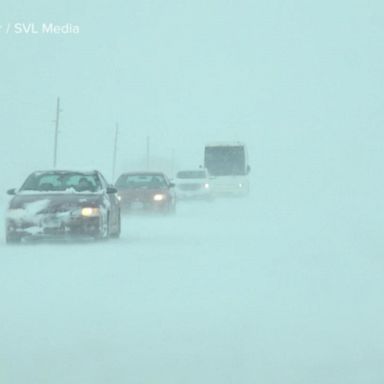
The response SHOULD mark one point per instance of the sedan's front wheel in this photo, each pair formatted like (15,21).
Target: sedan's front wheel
(12,238)
(116,234)
(103,228)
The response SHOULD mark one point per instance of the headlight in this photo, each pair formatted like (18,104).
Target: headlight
(240,185)
(90,212)
(118,197)
(159,197)
(206,185)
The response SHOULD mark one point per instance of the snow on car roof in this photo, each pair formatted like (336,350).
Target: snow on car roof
(58,171)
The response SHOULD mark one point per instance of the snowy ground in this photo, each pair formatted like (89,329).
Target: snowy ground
(235,291)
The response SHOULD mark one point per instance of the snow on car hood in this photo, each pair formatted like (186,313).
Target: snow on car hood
(28,210)
(54,200)
(34,209)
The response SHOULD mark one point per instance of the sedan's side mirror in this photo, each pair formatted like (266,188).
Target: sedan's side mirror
(171,185)
(11,191)
(248,169)
(111,190)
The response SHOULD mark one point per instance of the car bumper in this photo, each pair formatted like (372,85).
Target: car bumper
(145,206)
(198,195)
(53,226)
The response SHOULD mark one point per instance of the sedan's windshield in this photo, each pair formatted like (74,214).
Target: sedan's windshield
(141,181)
(61,181)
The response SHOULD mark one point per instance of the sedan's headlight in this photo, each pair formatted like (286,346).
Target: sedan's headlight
(159,197)
(90,212)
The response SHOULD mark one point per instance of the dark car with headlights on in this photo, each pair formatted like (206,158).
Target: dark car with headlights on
(63,203)
(146,192)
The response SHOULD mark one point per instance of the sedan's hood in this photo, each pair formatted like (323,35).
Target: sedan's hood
(142,194)
(55,201)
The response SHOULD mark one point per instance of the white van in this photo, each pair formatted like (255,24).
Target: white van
(227,164)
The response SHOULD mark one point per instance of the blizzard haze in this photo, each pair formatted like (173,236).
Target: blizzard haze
(282,286)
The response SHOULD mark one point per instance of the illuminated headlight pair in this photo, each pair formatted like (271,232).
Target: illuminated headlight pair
(90,212)
(159,197)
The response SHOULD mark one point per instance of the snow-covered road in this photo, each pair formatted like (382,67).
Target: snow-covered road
(230,292)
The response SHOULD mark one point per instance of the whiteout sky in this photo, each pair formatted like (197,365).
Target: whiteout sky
(299,82)
(289,280)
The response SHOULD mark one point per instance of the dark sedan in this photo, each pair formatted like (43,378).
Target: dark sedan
(146,191)
(63,203)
